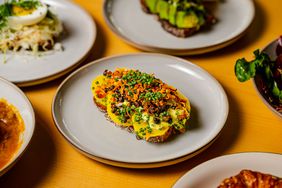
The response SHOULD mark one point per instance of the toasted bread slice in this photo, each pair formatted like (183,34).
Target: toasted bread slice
(141,103)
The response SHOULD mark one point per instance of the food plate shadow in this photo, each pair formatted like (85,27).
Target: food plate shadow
(224,142)
(36,162)
(253,33)
(98,49)
(194,122)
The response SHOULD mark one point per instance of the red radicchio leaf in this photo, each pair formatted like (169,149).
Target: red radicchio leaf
(279,46)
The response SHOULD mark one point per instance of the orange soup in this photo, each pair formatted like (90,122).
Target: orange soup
(11,128)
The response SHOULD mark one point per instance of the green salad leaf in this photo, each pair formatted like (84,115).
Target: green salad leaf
(262,63)
(246,70)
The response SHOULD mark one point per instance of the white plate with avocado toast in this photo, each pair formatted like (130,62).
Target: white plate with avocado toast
(81,122)
(131,21)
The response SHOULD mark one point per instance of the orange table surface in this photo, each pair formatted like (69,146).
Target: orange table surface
(50,160)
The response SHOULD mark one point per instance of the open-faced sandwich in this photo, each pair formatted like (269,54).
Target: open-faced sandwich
(181,18)
(141,103)
(251,179)
(28,26)
(269,72)
(11,128)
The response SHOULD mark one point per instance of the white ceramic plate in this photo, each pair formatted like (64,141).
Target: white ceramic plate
(81,33)
(84,126)
(211,173)
(270,49)
(127,20)
(17,98)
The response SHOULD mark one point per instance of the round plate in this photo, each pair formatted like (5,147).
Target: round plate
(25,70)
(17,98)
(127,20)
(270,49)
(213,172)
(150,165)
(82,124)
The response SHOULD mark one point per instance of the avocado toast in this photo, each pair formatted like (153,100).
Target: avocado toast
(181,18)
(141,103)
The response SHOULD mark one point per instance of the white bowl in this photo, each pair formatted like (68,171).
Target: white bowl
(270,49)
(17,98)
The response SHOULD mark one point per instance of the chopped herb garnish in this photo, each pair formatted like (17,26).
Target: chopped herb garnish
(153,96)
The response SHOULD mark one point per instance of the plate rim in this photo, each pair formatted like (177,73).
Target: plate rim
(18,155)
(182,177)
(222,91)
(175,51)
(148,165)
(61,72)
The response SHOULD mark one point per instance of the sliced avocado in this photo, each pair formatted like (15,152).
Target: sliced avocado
(187,20)
(191,20)
(172,14)
(163,9)
(151,4)
(179,18)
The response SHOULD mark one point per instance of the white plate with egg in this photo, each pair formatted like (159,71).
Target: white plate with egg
(79,33)
(15,97)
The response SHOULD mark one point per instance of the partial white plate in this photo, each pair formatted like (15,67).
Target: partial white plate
(17,98)
(85,127)
(270,49)
(27,70)
(213,172)
(127,20)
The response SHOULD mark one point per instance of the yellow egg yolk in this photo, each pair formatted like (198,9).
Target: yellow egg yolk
(20,11)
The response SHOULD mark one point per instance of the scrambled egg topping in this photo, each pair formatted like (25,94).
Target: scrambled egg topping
(141,101)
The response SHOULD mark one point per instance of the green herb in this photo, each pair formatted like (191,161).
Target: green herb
(26,4)
(134,77)
(138,117)
(153,96)
(149,129)
(165,113)
(130,93)
(245,70)
(5,11)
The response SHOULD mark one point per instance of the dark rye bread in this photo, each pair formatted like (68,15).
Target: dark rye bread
(178,32)
(156,139)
